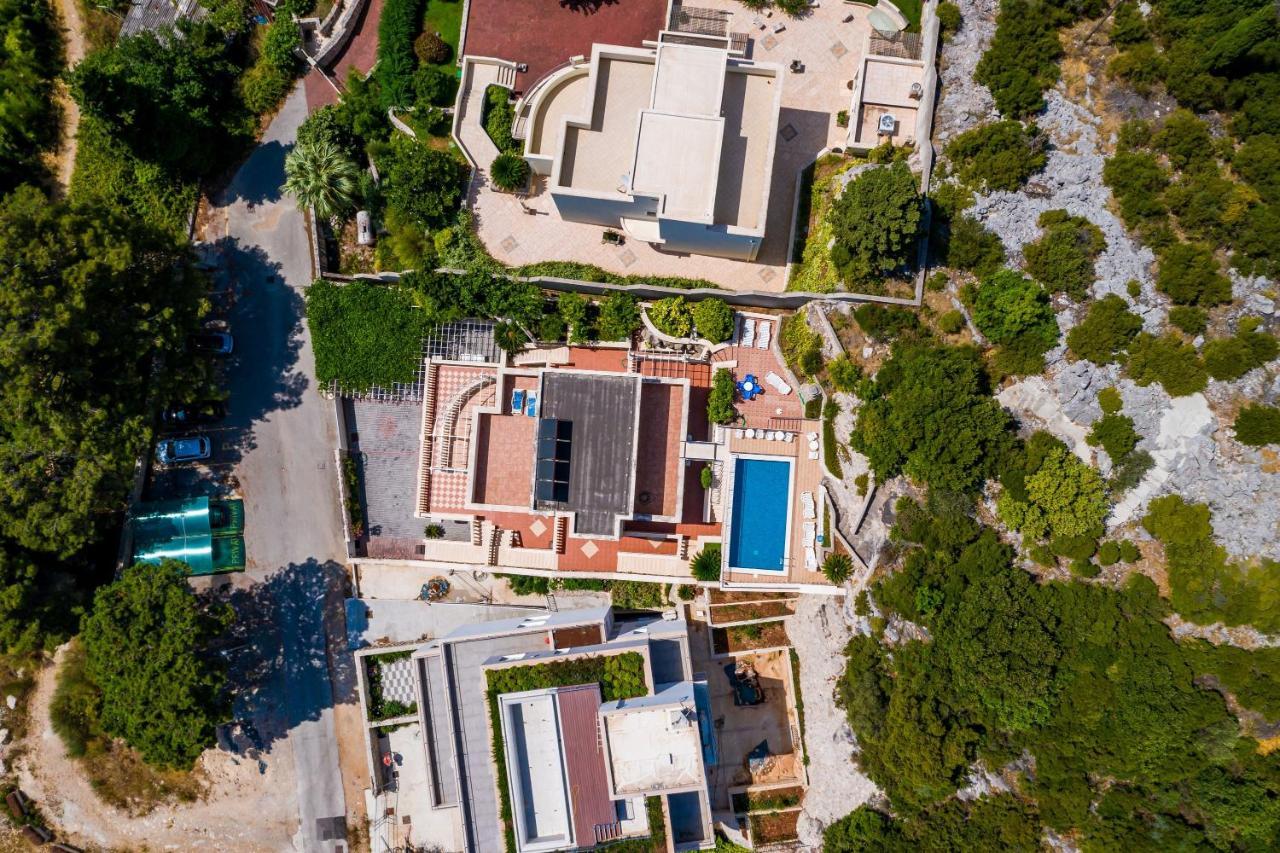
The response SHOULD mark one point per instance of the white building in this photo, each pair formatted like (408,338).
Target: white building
(671,144)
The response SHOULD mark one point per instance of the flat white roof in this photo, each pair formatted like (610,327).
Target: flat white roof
(689,80)
(678,157)
(536,770)
(654,748)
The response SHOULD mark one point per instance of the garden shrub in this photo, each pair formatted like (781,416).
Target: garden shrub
(1062,259)
(1189,276)
(1189,319)
(720,408)
(969,245)
(1007,306)
(1108,553)
(638,595)
(499,116)
(876,223)
(1169,361)
(1074,547)
(573,309)
(1257,425)
(431,49)
(801,346)
(830,446)
(552,327)
(329,125)
(706,476)
(263,87)
(1085,569)
(672,316)
(706,565)
(862,482)
(422,182)
(509,171)
(527,584)
(433,86)
(713,319)
(619,316)
(950,322)
(1001,155)
(1129,552)
(1105,332)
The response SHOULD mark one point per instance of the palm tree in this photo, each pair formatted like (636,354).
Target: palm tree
(323,178)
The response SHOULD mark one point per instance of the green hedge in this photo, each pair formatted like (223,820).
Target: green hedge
(399,25)
(364,334)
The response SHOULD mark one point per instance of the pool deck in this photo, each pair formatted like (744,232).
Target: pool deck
(807,478)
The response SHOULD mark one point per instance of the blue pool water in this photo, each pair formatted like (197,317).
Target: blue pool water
(758,535)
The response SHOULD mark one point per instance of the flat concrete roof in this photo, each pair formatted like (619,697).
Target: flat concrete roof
(653,744)
(536,770)
(689,80)
(677,157)
(604,411)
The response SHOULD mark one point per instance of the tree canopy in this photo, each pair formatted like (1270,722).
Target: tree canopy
(145,644)
(876,222)
(931,417)
(30,58)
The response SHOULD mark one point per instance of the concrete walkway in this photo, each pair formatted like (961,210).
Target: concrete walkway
(472,137)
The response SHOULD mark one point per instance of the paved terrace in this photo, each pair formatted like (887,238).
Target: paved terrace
(831,51)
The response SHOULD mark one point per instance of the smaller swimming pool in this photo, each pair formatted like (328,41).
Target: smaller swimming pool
(761,496)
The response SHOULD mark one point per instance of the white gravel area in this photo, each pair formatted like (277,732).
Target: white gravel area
(819,631)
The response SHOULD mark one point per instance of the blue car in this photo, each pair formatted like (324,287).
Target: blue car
(193,448)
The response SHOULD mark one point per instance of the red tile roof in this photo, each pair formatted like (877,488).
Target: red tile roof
(594,814)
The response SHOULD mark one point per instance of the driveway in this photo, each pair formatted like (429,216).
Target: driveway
(276,450)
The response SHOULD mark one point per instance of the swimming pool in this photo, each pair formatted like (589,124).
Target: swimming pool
(761,496)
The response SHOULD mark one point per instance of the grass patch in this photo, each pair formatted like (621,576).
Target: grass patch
(830,447)
(799,697)
(589,272)
(815,272)
(116,773)
(101,28)
(445,17)
(911,10)
(639,595)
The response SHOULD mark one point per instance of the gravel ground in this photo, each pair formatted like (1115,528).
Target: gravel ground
(819,631)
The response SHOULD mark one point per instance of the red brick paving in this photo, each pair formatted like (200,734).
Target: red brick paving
(545,33)
(592,358)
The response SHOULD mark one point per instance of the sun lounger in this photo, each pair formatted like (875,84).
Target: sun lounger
(789,437)
(806,503)
(766,331)
(517,401)
(531,406)
(813,454)
(748,332)
(775,381)
(810,534)
(810,559)
(813,436)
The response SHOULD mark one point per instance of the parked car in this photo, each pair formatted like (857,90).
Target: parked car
(207,412)
(192,448)
(212,343)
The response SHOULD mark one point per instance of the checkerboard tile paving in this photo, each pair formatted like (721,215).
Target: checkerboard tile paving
(397,681)
(448,490)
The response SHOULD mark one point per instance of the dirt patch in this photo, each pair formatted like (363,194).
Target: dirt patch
(773,827)
(745,638)
(716,596)
(725,613)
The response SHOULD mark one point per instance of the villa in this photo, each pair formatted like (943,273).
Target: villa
(584,728)
(600,462)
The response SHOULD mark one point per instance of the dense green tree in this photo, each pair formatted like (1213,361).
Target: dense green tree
(329,125)
(1064,497)
(1168,360)
(672,316)
(573,310)
(1008,306)
(844,374)
(1189,276)
(876,223)
(968,245)
(87,300)
(1062,259)
(1105,332)
(145,643)
(172,101)
(713,319)
(997,156)
(1114,434)
(1184,139)
(932,417)
(30,58)
(1138,181)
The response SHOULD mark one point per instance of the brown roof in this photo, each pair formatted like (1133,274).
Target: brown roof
(594,814)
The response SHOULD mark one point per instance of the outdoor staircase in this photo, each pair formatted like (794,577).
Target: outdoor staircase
(561,534)
(495,540)
(682,550)
(477,531)
(428,419)
(507,75)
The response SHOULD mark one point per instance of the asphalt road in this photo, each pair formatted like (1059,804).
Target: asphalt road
(276,450)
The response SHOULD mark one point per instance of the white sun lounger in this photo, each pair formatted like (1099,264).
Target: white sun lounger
(766,332)
(776,382)
(810,533)
(789,437)
(810,559)
(813,454)
(748,332)
(806,504)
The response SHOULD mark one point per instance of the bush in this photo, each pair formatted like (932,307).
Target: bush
(1257,425)
(844,374)
(499,116)
(552,327)
(706,566)
(329,125)
(713,319)
(1189,276)
(885,322)
(1001,155)
(1129,552)
(509,172)
(1109,400)
(1008,306)
(720,401)
(263,87)
(838,568)
(949,19)
(422,182)
(1185,140)
(1227,359)
(706,476)
(1169,361)
(1114,434)
(1042,555)
(431,49)
(950,322)
(1108,553)
(433,86)
(1022,61)
(1064,497)
(1084,568)
(619,316)
(801,346)
(876,223)
(1074,547)
(672,316)
(1105,332)
(968,245)
(1189,319)
(1138,182)
(862,482)
(1062,259)
(1130,471)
